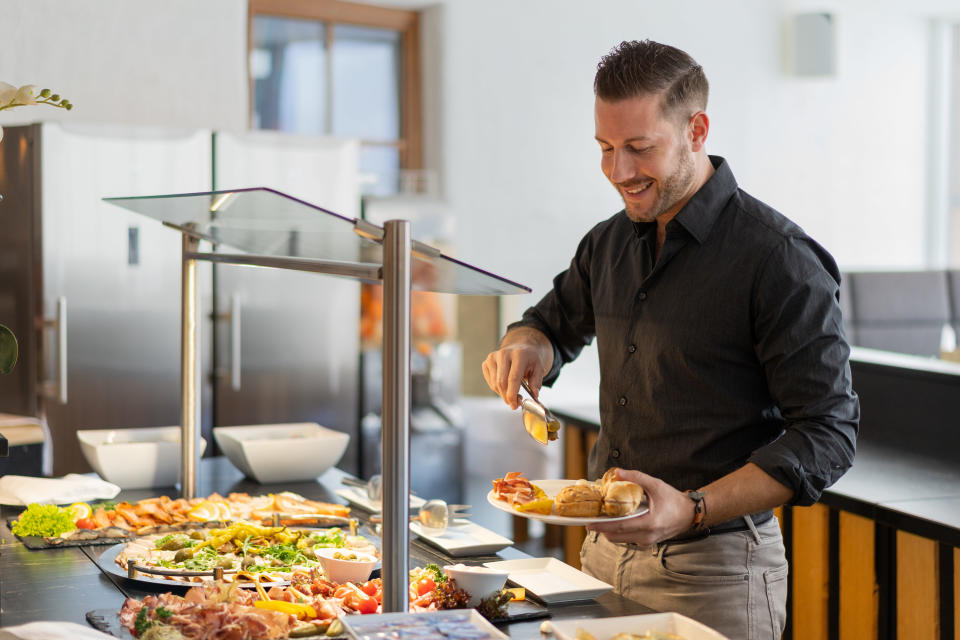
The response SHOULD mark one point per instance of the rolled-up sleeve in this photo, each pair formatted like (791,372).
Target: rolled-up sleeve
(565,314)
(800,343)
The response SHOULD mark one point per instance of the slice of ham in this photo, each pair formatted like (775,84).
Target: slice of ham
(514,488)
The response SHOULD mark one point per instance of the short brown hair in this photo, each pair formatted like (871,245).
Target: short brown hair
(642,67)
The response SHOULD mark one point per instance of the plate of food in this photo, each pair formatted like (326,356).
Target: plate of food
(43,526)
(243,551)
(568,502)
(314,605)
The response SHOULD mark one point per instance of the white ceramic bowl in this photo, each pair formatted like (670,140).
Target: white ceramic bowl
(479,582)
(135,458)
(341,571)
(269,453)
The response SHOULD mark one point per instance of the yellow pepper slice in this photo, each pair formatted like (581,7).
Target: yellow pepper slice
(302,611)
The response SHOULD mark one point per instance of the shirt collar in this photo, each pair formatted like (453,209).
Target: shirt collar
(702,210)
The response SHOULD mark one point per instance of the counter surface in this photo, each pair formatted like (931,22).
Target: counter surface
(64,584)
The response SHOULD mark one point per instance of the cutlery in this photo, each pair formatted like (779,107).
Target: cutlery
(435,516)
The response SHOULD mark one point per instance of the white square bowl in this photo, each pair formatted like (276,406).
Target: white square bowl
(135,458)
(270,453)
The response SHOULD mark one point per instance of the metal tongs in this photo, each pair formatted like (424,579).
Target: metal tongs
(539,422)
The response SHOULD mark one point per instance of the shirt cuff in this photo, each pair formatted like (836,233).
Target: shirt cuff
(780,461)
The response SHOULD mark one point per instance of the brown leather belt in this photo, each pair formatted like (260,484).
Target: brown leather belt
(730,526)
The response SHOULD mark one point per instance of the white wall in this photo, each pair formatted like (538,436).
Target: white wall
(508,107)
(178,63)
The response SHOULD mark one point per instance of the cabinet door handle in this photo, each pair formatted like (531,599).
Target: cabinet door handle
(58,387)
(235,343)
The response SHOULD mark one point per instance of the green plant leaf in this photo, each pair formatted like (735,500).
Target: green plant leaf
(8,349)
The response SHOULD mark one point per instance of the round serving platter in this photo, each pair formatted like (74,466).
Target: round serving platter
(552,487)
(107,562)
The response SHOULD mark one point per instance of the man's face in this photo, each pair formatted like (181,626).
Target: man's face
(645,155)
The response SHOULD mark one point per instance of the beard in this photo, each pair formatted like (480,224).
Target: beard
(669,192)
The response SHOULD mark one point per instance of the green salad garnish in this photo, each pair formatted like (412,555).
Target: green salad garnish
(329,538)
(46,520)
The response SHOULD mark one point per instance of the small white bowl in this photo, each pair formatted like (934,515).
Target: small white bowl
(479,582)
(135,458)
(270,453)
(341,571)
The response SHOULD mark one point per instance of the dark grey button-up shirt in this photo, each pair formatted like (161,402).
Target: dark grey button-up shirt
(729,349)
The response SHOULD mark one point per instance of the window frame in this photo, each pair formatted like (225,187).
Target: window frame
(333,12)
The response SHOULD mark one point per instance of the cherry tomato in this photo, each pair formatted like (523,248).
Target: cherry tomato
(367,605)
(425,585)
(370,588)
(86,523)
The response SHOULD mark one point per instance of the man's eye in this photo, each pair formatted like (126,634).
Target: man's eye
(640,149)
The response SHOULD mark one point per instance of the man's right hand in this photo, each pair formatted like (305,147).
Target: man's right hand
(524,353)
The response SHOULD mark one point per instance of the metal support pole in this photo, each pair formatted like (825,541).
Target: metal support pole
(396,415)
(189,370)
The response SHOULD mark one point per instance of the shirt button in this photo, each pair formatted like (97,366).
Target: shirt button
(622,401)
(632,348)
(615,453)
(642,295)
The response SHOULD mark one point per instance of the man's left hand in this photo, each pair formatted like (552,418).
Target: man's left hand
(671,513)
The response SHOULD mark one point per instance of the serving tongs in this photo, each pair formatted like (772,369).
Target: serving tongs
(539,422)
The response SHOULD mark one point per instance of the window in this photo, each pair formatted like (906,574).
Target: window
(336,68)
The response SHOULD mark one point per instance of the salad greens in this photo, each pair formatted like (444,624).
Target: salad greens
(329,538)
(46,520)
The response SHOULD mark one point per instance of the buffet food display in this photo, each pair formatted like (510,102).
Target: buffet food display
(259,567)
(104,522)
(310,605)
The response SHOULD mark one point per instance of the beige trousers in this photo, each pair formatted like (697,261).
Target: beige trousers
(733,582)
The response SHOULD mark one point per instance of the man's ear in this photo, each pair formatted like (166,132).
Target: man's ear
(698,126)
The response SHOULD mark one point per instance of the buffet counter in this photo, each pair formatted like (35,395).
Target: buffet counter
(64,584)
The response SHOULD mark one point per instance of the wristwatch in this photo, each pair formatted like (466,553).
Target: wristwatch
(699,509)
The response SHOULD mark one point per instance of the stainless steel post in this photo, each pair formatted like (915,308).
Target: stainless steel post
(396,415)
(189,370)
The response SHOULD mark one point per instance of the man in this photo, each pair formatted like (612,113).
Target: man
(724,367)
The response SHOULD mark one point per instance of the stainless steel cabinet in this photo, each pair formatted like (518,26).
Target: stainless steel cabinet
(114,278)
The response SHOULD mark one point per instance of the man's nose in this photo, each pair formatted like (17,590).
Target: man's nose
(622,169)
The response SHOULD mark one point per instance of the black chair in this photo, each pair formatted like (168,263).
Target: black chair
(902,311)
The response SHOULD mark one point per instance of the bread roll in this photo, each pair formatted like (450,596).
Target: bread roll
(608,477)
(621,498)
(579,501)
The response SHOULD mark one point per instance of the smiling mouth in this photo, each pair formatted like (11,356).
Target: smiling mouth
(637,189)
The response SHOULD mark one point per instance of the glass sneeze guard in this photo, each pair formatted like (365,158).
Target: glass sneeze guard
(272,229)
(265,222)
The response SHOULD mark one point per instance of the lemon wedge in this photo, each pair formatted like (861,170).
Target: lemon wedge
(205,512)
(80,510)
(540,505)
(223,511)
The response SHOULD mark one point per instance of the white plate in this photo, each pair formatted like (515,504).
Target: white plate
(551,580)
(429,623)
(464,539)
(552,487)
(602,628)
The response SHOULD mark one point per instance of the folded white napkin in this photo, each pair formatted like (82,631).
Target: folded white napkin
(73,487)
(52,631)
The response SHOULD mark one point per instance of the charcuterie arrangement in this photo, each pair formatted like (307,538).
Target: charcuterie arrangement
(310,605)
